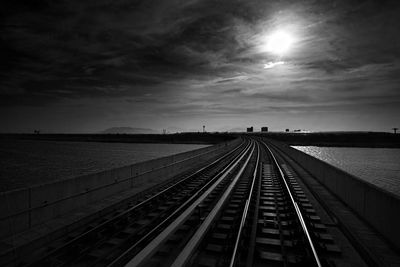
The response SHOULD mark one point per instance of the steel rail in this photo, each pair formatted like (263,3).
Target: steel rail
(246,209)
(296,207)
(150,248)
(126,212)
(198,236)
(371,260)
(253,233)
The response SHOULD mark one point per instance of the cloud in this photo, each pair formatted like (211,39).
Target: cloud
(270,65)
(199,57)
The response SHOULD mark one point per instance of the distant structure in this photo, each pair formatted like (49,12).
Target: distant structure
(164,131)
(250,129)
(264,129)
(395,130)
(204,128)
(287,130)
(36,131)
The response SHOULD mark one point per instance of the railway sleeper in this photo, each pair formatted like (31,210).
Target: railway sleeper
(324,241)
(279,258)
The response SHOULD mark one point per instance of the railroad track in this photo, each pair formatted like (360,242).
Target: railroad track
(246,208)
(263,218)
(102,241)
(181,234)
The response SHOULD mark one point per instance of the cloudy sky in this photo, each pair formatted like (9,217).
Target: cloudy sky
(83,66)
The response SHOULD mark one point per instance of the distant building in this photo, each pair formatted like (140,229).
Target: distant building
(264,129)
(287,130)
(250,129)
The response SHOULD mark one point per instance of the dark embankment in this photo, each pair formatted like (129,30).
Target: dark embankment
(339,139)
(182,138)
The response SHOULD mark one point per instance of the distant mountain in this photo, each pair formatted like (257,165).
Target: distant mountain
(237,129)
(175,130)
(182,130)
(128,130)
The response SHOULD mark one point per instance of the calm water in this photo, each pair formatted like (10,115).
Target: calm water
(379,166)
(25,163)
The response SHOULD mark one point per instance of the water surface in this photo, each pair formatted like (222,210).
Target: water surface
(379,166)
(26,162)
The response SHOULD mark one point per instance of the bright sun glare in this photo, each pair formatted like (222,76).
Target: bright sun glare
(279,43)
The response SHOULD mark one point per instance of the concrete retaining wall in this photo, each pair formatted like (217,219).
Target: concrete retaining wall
(24,208)
(381,209)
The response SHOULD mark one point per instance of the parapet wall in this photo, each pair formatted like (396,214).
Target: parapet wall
(23,208)
(381,209)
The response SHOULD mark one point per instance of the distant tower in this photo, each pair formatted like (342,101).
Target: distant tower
(395,130)
(204,128)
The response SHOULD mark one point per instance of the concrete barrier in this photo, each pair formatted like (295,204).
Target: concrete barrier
(21,209)
(381,209)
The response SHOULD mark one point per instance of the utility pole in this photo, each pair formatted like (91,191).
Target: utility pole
(395,130)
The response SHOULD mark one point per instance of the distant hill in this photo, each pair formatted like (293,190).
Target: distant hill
(237,129)
(128,130)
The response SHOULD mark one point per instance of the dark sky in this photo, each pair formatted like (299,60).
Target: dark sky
(83,66)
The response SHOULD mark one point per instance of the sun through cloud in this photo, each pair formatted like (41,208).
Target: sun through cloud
(165,64)
(279,42)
